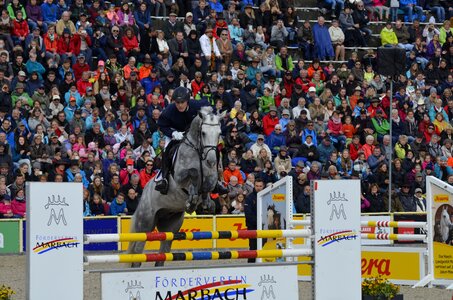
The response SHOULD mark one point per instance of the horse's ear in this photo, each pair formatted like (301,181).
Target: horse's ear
(200,114)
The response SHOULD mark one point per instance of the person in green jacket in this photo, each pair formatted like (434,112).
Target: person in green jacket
(20,94)
(266,101)
(284,61)
(381,125)
(15,6)
(444,30)
(388,36)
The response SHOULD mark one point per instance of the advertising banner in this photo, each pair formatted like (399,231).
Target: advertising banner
(54,241)
(441,222)
(100,226)
(231,223)
(252,282)
(336,225)
(400,265)
(273,212)
(376,230)
(190,224)
(9,236)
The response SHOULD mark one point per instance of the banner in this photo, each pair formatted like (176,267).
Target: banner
(100,226)
(252,282)
(274,204)
(190,224)
(441,222)
(336,228)
(54,241)
(400,265)
(231,223)
(10,236)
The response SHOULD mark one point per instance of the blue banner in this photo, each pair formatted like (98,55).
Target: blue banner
(99,226)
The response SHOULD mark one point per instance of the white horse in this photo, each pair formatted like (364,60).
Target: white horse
(445,225)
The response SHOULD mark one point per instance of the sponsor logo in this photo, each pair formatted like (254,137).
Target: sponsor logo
(381,266)
(59,244)
(336,199)
(336,237)
(230,289)
(56,201)
(267,288)
(441,198)
(278,197)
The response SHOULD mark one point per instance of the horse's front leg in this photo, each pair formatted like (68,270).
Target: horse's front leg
(192,201)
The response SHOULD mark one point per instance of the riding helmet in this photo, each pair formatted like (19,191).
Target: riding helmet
(181,94)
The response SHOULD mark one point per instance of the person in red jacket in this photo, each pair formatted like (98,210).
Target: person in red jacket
(335,130)
(20,29)
(232,170)
(147,173)
(126,173)
(84,83)
(130,43)
(80,67)
(197,84)
(6,210)
(18,205)
(270,120)
(66,46)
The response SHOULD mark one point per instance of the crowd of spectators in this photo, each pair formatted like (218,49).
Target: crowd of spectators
(83,84)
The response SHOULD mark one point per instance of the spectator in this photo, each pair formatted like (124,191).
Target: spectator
(322,41)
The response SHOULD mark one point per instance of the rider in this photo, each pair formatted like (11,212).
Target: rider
(173,122)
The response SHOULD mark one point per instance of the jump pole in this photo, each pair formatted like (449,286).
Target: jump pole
(391,224)
(189,236)
(191,256)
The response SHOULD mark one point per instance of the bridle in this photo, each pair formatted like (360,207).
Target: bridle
(201,149)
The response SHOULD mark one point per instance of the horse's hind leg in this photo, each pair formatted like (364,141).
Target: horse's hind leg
(169,224)
(139,226)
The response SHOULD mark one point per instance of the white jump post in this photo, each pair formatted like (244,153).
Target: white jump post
(54,241)
(336,226)
(439,206)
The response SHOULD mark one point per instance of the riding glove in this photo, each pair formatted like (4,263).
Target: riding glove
(177,135)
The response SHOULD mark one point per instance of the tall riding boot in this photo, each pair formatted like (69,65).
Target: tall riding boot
(163,184)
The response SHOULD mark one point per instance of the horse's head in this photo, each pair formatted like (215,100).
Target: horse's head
(445,217)
(208,133)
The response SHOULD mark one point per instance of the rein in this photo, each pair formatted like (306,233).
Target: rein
(200,150)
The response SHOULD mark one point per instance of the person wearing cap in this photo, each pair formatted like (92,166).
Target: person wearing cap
(151,82)
(115,47)
(270,120)
(189,24)
(380,124)
(210,49)
(20,93)
(173,123)
(171,26)
(145,69)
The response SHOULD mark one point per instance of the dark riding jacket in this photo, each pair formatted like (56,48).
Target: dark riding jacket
(172,120)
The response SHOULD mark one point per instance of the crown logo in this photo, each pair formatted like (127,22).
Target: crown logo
(52,201)
(266,279)
(133,285)
(336,197)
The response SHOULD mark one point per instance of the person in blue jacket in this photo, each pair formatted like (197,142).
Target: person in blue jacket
(118,206)
(250,212)
(323,43)
(173,122)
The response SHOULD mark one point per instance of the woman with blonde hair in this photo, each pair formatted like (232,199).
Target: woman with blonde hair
(326,95)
